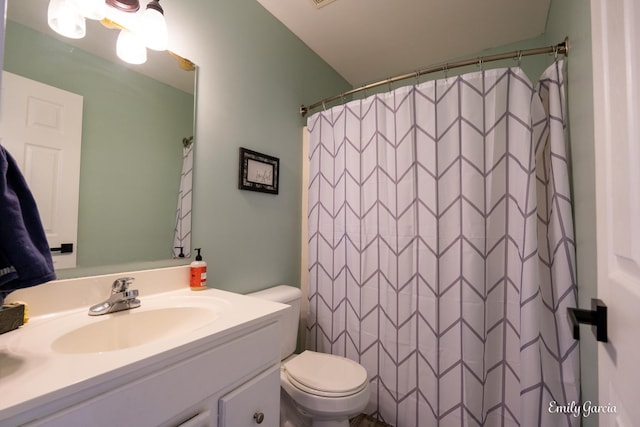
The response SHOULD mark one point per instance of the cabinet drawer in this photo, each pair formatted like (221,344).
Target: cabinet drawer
(254,403)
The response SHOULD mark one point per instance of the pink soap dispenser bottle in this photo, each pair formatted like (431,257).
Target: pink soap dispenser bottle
(198,280)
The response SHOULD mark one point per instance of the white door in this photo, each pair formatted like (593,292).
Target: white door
(41,126)
(616,74)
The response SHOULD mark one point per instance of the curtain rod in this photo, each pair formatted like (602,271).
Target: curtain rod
(561,48)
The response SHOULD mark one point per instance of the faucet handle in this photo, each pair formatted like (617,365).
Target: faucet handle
(121,284)
(130,294)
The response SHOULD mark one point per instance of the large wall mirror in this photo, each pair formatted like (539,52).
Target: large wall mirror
(135,119)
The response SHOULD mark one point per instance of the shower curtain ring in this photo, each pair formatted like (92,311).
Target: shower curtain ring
(519,58)
(324,107)
(481,64)
(445,69)
(555,52)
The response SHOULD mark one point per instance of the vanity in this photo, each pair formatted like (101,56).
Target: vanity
(183,358)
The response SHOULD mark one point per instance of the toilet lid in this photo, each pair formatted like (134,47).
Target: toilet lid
(326,374)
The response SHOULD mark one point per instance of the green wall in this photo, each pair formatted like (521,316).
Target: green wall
(254,74)
(131,148)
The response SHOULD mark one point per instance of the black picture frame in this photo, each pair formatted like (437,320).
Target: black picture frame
(258,172)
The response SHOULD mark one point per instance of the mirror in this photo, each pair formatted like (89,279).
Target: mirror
(135,119)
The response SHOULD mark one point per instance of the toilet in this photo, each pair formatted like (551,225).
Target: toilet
(317,389)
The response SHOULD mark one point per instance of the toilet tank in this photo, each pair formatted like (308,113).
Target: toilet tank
(288,318)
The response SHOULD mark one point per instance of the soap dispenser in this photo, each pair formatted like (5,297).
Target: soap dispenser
(198,280)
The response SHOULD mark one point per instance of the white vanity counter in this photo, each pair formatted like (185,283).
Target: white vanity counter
(63,358)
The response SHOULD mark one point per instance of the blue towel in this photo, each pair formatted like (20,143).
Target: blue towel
(25,257)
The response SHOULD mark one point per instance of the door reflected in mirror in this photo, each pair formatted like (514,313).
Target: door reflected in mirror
(133,127)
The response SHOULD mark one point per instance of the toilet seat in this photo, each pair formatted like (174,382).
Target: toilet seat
(325,375)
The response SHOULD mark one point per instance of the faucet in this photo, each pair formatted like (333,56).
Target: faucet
(122,298)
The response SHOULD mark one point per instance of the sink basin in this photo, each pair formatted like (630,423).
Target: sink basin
(158,318)
(132,328)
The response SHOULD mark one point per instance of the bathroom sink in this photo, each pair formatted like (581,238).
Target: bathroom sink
(132,328)
(157,319)
(65,363)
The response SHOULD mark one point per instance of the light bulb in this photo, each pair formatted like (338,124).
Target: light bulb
(154,27)
(65,19)
(130,48)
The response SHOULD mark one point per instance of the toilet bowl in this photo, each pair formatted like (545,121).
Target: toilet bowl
(319,390)
(324,385)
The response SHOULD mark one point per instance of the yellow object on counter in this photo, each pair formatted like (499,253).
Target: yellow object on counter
(11,316)
(26,310)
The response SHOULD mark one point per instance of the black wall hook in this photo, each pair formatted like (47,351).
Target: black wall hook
(597,317)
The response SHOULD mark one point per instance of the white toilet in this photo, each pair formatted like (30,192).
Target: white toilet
(318,390)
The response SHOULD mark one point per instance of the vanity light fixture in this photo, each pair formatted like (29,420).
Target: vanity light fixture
(145,30)
(125,5)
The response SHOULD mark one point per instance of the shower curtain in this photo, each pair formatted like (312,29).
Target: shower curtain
(182,226)
(441,249)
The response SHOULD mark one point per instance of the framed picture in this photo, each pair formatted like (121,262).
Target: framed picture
(258,172)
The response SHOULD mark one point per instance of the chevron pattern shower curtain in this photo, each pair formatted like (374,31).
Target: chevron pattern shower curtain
(182,228)
(441,249)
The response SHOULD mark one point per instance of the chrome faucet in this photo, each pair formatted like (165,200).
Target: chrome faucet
(122,298)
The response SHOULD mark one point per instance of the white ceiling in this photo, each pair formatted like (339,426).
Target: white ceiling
(370,40)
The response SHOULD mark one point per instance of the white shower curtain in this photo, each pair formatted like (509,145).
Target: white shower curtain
(441,250)
(182,227)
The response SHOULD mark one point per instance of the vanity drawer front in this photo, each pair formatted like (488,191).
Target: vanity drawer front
(254,403)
